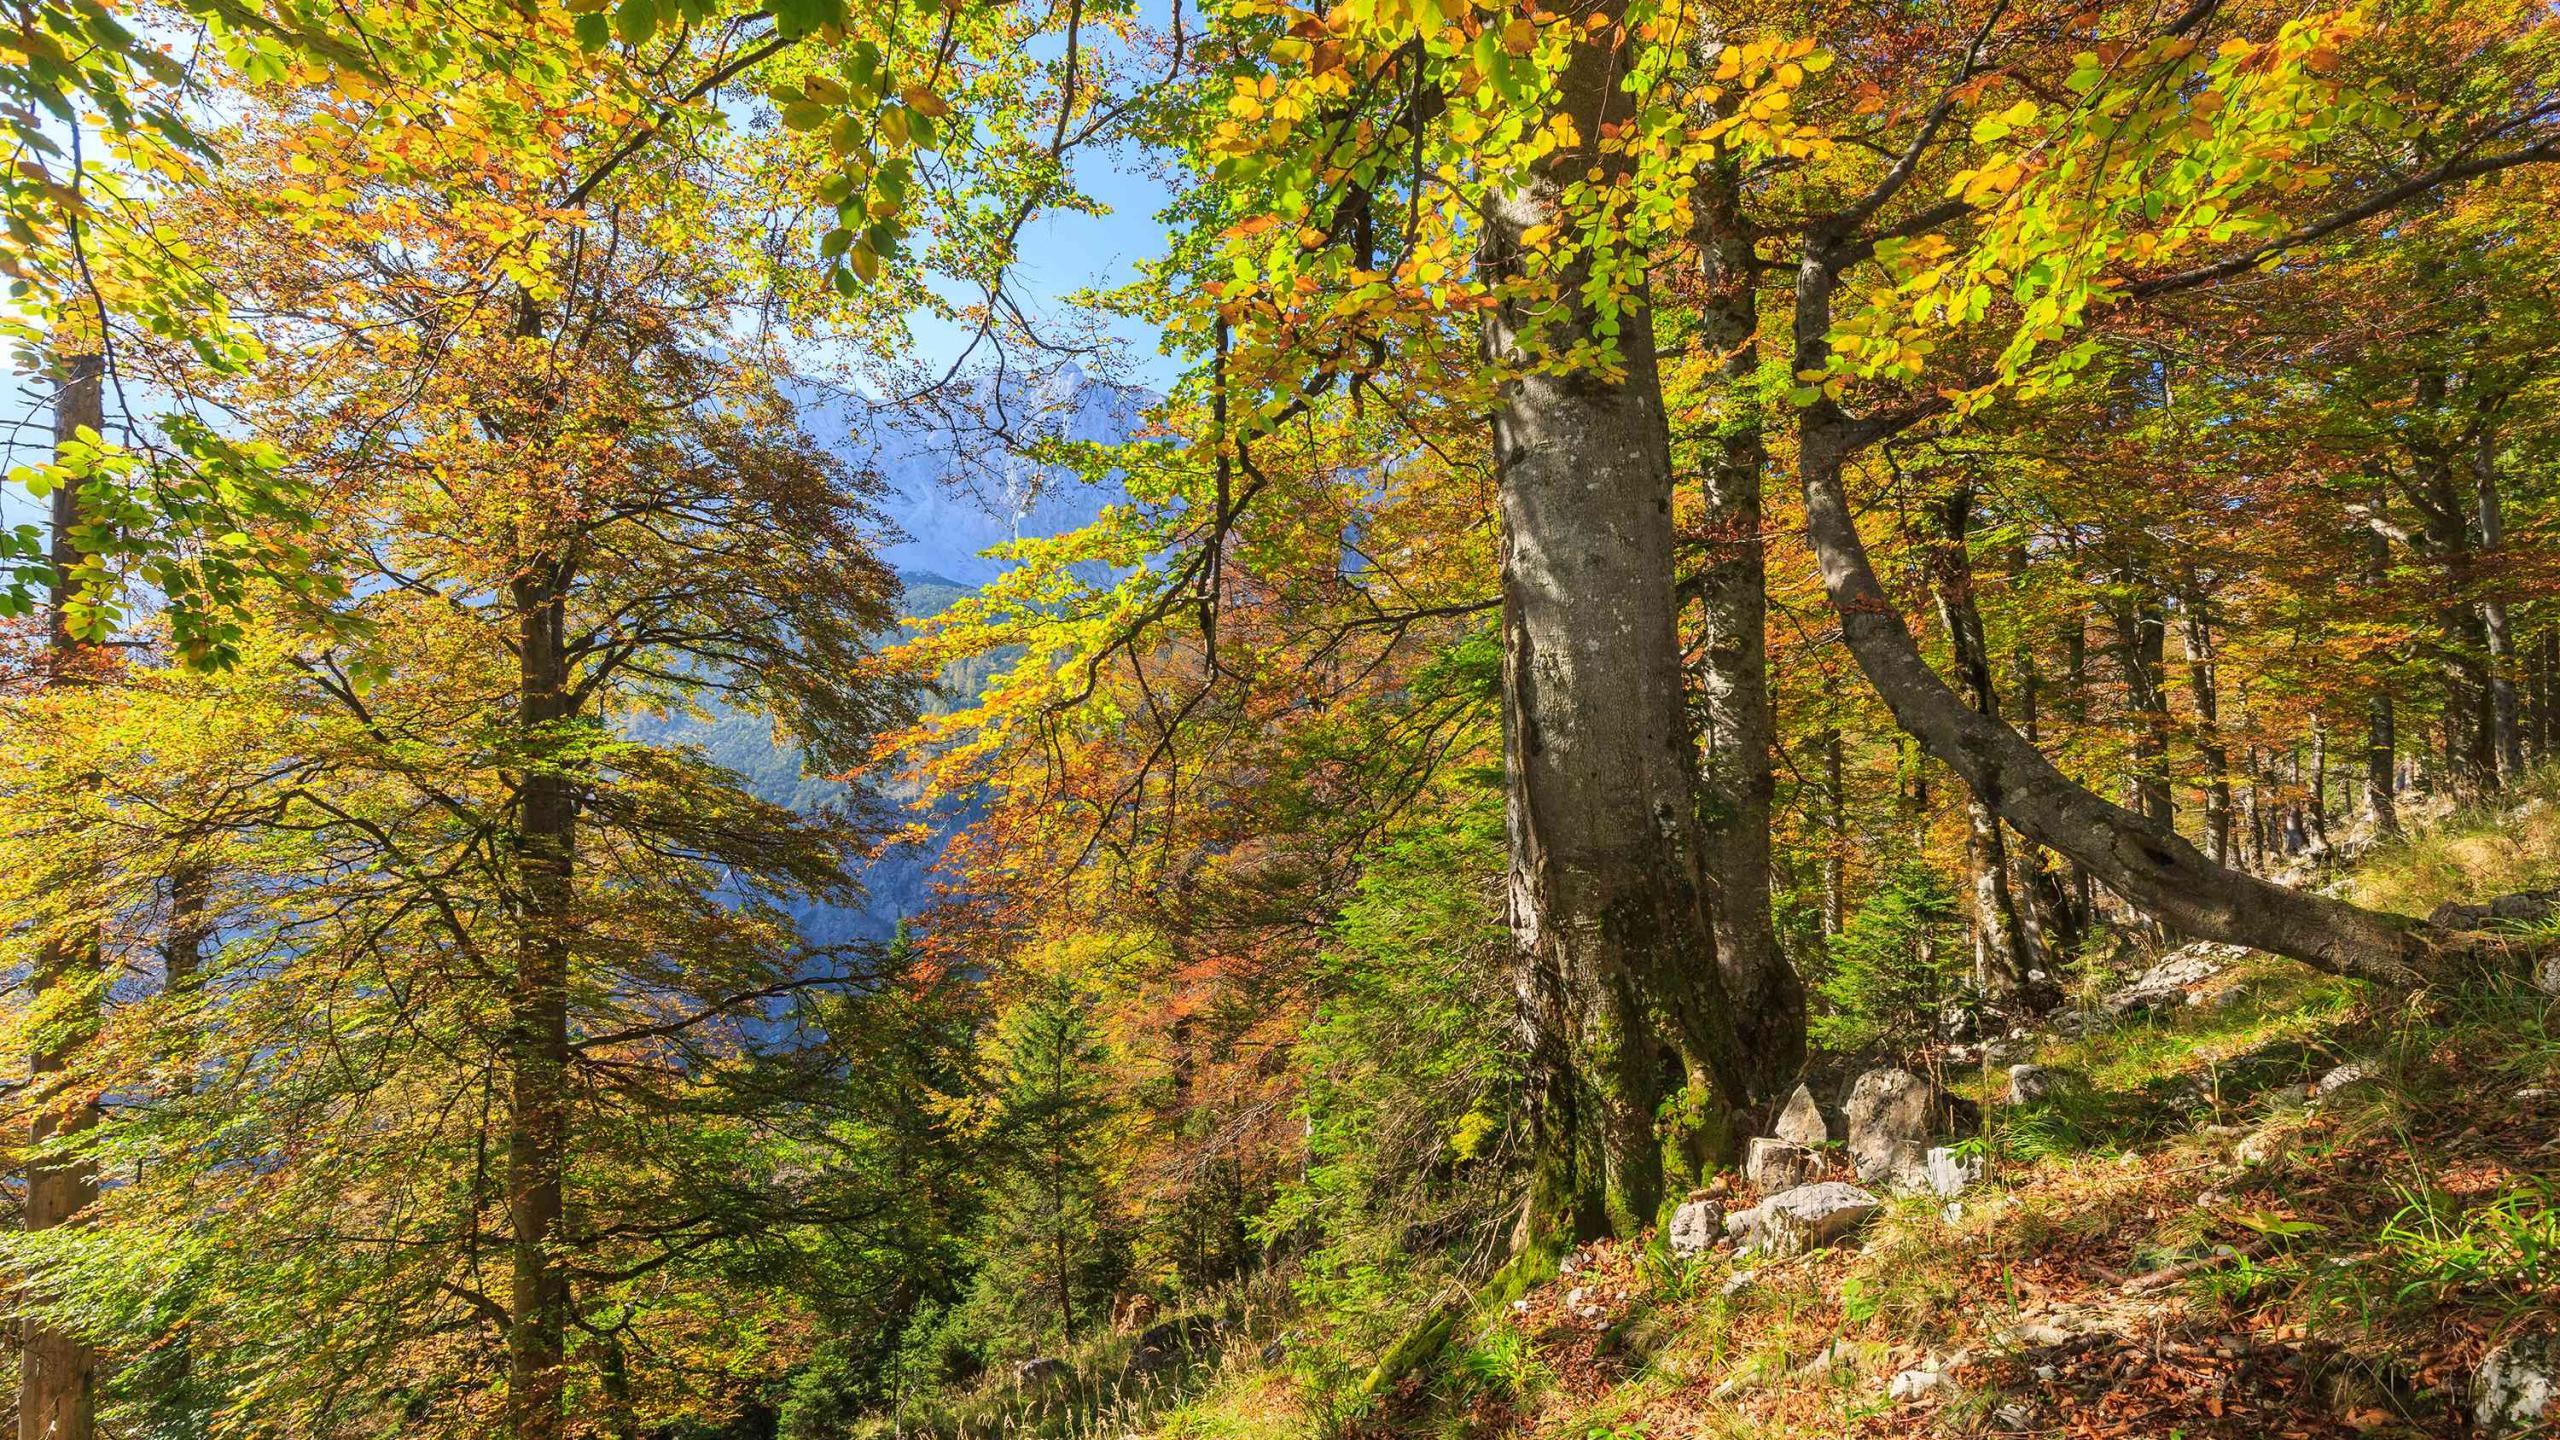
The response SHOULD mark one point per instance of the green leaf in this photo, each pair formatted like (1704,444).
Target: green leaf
(635,21)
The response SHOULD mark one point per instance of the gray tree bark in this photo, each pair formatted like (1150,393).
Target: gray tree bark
(1998,926)
(58,1370)
(2203,690)
(2506,730)
(1741,730)
(2142,633)
(1835,828)
(1608,885)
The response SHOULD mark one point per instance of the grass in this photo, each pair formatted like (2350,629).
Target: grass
(2477,852)
(2177,1244)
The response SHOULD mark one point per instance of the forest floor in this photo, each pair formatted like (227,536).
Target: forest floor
(2186,1241)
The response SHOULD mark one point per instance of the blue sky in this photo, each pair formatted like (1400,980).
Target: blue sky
(1064,252)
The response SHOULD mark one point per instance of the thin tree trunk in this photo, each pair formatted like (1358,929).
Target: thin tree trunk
(1741,732)
(2259,800)
(2075,692)
(2381,725)
(545,845)
(2142,633)
(2506,738)
(2002,941)
(2543,668)
(2201,690)
(1608,889)
(2320,781)
(2151,867)
(2546,671)
(1835,825)
(58,1370)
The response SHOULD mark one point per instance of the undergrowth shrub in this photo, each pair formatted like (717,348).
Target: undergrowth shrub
(1897,964)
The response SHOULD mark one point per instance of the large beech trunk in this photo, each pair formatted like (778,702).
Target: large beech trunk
(1608,892)
(58,1371)
(538,1031)
(1741,729)
(2149,866)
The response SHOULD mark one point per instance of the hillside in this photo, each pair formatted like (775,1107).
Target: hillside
(2218,1196)
(1786,721)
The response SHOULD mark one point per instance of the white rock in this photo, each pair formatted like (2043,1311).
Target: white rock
(2033,1335)
(2514,1391)
(1915,1384)
(2008,1050)
(2258,1147)
(1695,1227)
(1737,1282)
(1811,1216)
(1774,1165)
(1948,1173)
(2029,1084)
(1801,1123)
(1890,1121)
(2167,981)
(2354,1072)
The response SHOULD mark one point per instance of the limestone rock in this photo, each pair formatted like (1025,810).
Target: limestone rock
(1947,1174)
(2517,1385)
(2520,909)
(1774,1165)
(1044,1370)
(2029,1084)
(1890,1120)
(2354,1072)
(2259,1146)
(1801,1123)
(1915,1384)
(2167,982)
(1810,1216)
(1695,1227)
